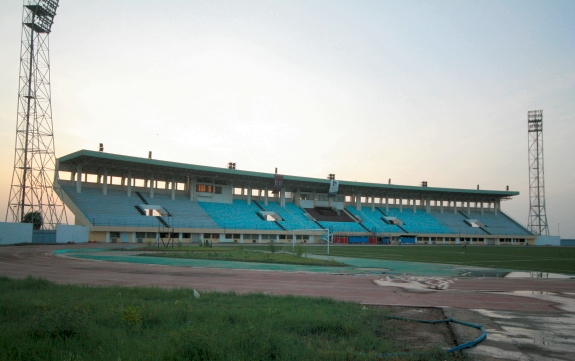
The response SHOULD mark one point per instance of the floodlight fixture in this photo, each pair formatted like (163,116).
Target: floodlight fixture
(32,188)
(537,221)
(40,15)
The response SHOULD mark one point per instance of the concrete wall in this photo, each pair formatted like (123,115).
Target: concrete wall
(76,234)
(12,233)
(547,241)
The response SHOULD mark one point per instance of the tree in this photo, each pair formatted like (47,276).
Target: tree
(35,218)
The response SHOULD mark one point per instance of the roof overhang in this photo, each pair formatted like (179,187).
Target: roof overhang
(93,162)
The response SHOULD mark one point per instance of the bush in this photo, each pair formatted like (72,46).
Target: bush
(272,247)
(132,316)
(299,250)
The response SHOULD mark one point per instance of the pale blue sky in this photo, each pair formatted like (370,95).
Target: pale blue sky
(369,90)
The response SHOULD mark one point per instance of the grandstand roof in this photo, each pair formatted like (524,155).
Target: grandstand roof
(93,162)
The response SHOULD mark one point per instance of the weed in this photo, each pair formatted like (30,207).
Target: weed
(272,247)
(299,250)
(132,316)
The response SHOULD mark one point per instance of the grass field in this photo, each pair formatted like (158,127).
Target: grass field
(242,254)
(528,258)
(40,320)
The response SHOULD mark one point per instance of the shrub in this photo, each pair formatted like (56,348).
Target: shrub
(299,250)
(272,247)
(132,316)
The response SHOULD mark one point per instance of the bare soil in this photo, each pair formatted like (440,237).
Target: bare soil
(421,336)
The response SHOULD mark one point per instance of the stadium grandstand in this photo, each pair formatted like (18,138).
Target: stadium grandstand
(141,200)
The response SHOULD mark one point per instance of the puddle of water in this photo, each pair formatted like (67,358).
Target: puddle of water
(566,304)
(537,275)
(511,274)
(484,273)
(482,351)
(544,332)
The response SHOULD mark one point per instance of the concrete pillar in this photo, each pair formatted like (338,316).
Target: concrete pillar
(400,204)
(358,201)
(266,197)
(78,179)
(129,189)
(497,205)
(481,208)
(441,206)
(387,204)
(297,197)
(174,185)
(192,189)
(105,182)
(454,207)
(283,197)
(372,203)
(152,185)
(468,208)
(249,195)
(314,199)
(414,205)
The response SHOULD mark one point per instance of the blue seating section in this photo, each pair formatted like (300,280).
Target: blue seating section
(184,213)
(343,226)
(117,209)
(499,224)
(372,220)
(418,222)
(238,215)
(292,215)
(455,222)
(113,209)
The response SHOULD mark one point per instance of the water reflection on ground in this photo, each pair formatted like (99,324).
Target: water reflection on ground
(512,274)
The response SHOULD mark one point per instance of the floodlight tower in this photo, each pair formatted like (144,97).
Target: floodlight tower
(537,222)
(31,193)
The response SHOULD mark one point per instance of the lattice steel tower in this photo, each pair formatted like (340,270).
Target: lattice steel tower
(537,222)
(34,156)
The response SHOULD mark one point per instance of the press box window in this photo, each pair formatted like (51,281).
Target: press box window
(204,188)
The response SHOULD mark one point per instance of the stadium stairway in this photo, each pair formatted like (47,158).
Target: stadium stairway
(481,228)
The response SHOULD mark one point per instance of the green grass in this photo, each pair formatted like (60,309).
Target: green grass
(40,320)
(241,254)
(528,258)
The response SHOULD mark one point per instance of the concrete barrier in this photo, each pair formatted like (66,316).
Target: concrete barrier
(13,233)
